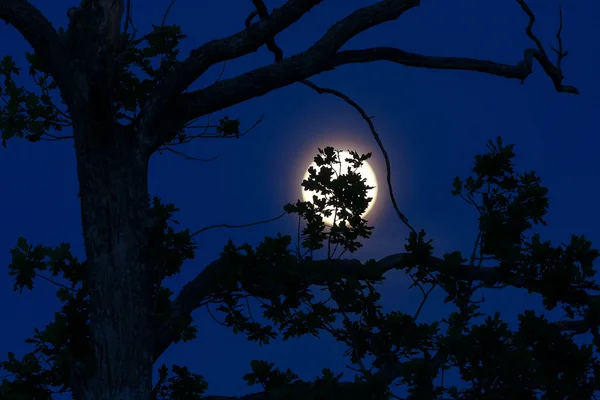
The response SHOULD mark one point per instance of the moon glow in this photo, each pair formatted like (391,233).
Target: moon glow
(365,171)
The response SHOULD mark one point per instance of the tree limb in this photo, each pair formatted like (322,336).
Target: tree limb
(290,70)
(324,56)
(246,41)
(237,226)
(199,289)
(39,32)
(519,71)
(211,53)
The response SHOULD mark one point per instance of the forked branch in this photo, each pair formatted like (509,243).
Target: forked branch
(209,54)
(198,291)
(324,55)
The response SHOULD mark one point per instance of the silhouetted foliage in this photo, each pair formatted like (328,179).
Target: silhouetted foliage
(127,98)
(539,357)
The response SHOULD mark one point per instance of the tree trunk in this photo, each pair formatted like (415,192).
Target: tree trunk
(114,209)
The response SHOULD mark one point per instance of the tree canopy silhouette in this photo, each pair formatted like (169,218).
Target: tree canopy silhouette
(125,98)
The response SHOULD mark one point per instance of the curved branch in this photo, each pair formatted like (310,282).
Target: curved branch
(186,156)
(199,289)
(164,20)
(39,32)
(375,135)
(290,70)
(519,71)
(205,56)
(324,56)
(237,226)
(54,138)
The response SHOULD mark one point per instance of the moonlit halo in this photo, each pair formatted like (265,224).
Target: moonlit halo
(365,171)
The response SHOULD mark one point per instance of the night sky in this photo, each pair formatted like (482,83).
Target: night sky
(431,122)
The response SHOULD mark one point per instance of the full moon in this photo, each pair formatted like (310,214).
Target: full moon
(365,172)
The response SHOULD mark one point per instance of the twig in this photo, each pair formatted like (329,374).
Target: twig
(187,157)
(559,51)
(367,119)
(529,27)
(203,135)
(167,13)
(214,318)
(553,71)
(55,283)
(54,138)
(237,226)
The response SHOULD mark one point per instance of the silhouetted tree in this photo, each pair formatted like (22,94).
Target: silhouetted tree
(117,318)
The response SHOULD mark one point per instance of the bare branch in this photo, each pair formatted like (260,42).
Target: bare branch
(237,226)
(290,70)
(313,61)
(425,297)
(559,52)
(52,281)
(186,156)
(375,135)
(205,56)
(164,20)
(53,138)
(324,56)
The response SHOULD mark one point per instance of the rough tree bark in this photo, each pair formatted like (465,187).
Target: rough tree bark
(114,211)
(112,159)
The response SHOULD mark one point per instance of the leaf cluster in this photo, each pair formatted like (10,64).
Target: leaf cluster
(23,113)
(338,194)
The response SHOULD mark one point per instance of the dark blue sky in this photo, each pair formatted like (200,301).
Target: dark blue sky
(432,123)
